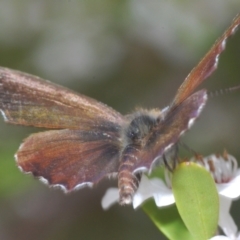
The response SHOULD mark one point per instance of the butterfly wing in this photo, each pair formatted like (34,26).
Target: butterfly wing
(29,100)
(69,159)
(168,131)
(206,66)
(82,152)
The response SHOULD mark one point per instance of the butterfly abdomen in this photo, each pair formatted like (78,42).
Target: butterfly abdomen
(127,181)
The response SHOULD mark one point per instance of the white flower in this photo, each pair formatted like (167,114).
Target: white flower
(227,177)
(155,188)
(111,196)
(220,238)
(148,188)
(225,173)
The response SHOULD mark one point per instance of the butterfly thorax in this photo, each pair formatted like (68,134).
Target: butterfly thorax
(141,126)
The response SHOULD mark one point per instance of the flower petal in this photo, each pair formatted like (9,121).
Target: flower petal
(220,238)
(225,219)
(111,196)
(155,188)
(231,189)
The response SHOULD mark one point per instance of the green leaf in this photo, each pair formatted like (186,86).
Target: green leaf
(197,199)
(167,220)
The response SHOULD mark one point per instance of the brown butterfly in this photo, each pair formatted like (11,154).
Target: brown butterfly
(91,140)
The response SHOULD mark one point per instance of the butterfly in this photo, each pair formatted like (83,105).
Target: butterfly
(89,140)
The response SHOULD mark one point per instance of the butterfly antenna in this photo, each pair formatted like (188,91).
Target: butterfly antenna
(223,91)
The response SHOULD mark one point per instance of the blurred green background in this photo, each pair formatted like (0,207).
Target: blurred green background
(126,54)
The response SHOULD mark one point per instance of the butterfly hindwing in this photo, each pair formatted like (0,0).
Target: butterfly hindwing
(69,158)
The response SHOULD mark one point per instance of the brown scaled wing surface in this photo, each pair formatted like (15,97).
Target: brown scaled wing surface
(185,107)
(85,150)
(87,144)
(29,100)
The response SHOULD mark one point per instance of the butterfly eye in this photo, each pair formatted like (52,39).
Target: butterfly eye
(158,120)
(134,132)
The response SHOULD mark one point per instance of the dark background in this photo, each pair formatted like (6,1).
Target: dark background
(126,54)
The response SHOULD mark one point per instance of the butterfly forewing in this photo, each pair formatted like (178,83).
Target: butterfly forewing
(69,158)
(206,66)
(29,100)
